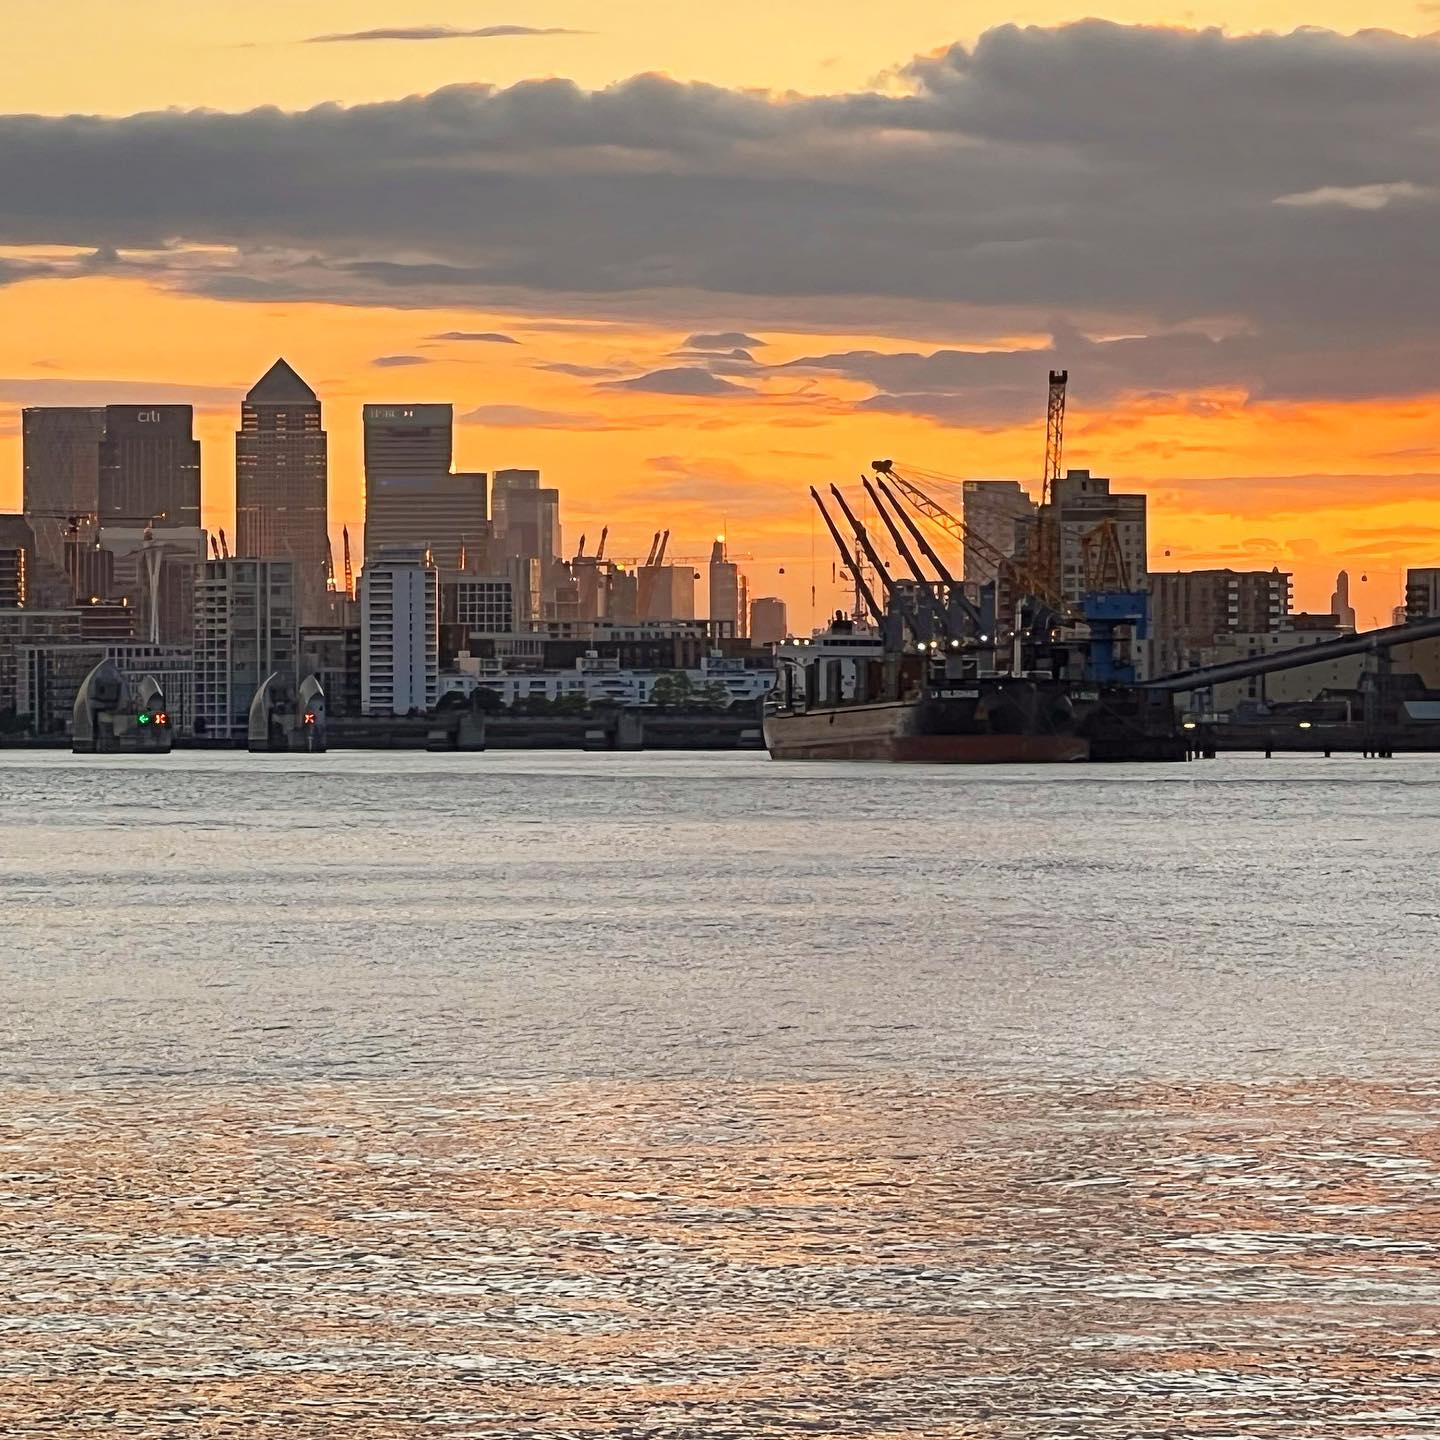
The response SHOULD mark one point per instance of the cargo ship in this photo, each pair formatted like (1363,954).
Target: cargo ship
(841,696)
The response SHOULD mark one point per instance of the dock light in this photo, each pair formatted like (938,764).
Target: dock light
(954,644)
(1188,725)
(1304,724)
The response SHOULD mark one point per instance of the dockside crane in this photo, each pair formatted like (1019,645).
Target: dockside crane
(851,563)
(1020,579)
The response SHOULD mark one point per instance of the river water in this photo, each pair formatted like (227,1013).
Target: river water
(376,1096)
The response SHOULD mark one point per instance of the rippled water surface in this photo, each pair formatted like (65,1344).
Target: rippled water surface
(373,1096)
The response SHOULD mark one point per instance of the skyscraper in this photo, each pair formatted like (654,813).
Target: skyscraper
(412,497)
(280,482)
(526,516)
(1340,606)
(150,467)
(724,591)
(149,505)
(61,457)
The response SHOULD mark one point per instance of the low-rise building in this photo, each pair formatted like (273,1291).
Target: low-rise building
(715,679)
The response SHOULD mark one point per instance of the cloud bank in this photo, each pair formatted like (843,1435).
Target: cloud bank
(1180,210)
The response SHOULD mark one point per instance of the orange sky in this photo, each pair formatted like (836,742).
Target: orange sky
(1368,496)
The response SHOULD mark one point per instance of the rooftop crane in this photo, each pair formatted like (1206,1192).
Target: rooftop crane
(349,573)
(329,567)
(600,549)
(224,546)
(1106,568)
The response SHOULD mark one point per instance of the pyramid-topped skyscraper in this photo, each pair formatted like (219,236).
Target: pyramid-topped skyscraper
(280,482)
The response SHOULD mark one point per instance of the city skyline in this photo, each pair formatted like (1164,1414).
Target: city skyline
(667,290)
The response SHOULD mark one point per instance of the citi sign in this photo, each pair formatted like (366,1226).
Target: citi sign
(148,417)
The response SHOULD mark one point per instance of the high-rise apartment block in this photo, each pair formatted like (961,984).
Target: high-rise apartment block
(400,633)
(280,482)
(1191,609)
(1422,593)
(245,631)
(991,510)
(1080,504)
(17,561)
(412,497)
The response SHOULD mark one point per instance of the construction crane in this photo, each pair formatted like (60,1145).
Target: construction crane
(224,546)
(329,567)
(349,573)
(600,549)
(1045,563)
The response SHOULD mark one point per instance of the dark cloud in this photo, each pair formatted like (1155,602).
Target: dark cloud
(716,360)
(679,381)
(487,337)
(723,340)
(1279,193)
(581,372)
(395,362)
(437,32)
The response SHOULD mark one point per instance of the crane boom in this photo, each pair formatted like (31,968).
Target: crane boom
(851,564)
(871,554)
(1023,578)
(349,573)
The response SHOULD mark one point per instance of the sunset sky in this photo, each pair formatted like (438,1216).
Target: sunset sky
(691,259)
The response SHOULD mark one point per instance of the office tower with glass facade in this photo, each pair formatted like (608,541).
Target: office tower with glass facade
(413,499)
(280,482)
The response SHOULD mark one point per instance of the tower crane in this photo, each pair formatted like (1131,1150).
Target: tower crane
(349,573)
(1045,564)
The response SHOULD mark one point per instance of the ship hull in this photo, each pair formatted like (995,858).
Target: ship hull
(896,732)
